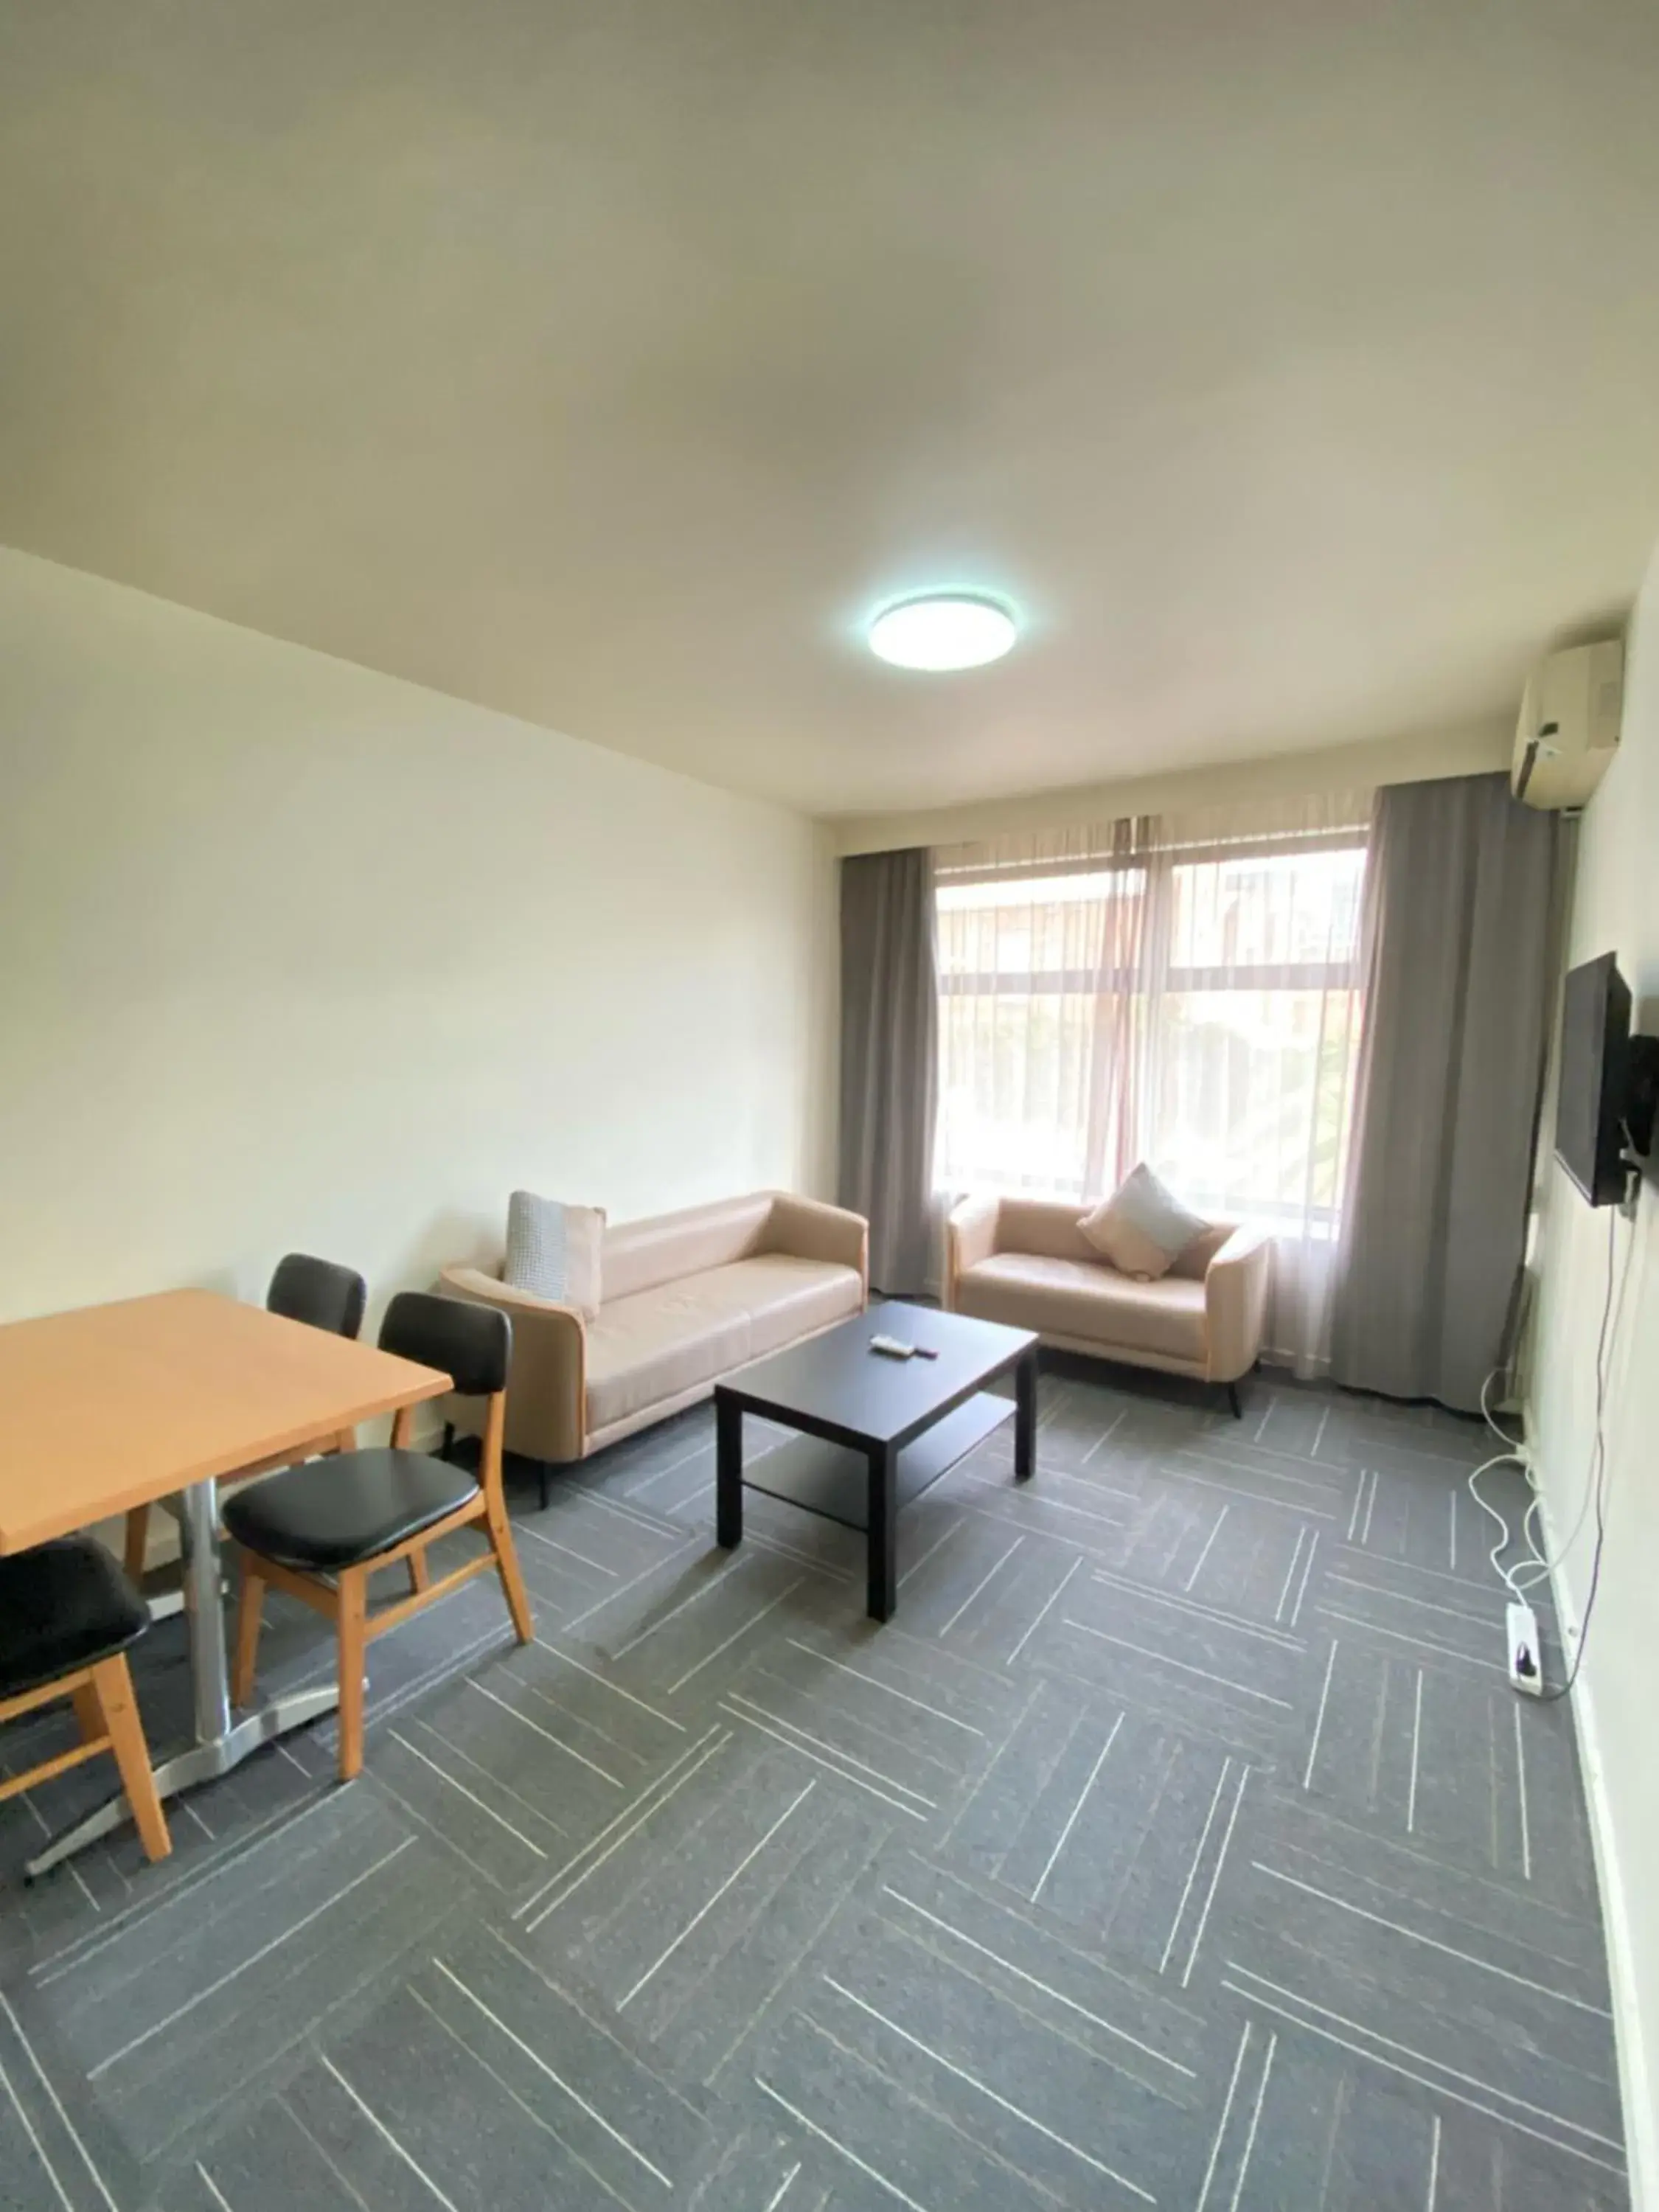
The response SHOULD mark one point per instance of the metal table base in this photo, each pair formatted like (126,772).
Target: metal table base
(222,1743)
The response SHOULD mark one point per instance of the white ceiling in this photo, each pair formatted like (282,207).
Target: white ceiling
(1295,367)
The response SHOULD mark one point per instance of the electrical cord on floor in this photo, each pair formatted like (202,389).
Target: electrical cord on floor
(1506,1575)
(1597,1485)
(1515,1454)
(1502,1434)
(1536,1566)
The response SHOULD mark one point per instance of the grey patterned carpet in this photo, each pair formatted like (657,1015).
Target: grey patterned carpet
(1179,1844)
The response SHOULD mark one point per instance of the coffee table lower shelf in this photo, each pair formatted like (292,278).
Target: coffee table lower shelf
(835,1481)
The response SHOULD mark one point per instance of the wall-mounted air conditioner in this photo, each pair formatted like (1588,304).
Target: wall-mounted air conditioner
(1568,726)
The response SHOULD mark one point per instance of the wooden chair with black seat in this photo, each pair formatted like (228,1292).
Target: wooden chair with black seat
(68,1615)
(322,1294)
(321,1529)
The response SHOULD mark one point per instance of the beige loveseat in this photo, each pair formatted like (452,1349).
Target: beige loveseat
(684,1298)
(1026,1262)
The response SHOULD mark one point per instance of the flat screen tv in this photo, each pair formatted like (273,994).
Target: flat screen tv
(1594,1096)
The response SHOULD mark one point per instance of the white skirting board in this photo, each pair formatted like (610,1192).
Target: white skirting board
(1641,2122)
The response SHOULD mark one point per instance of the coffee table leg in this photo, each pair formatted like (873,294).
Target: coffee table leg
(1026,1401)
(883,1531)
(728,1473)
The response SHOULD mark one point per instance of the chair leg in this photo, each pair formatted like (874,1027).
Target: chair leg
(506,1563)
(136,1543)
(247,1632)
(351,1601)
(420,1576)
(111,1685)
(1232,1400)
(542,1471)
(346,1441)
(449,1444)
(88,1714)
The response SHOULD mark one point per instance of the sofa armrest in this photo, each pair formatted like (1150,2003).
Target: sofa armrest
(808,1229)
(547,1380)
(970,1236)
(1236,1285)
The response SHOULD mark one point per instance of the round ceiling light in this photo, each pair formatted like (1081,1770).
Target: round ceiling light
(941,630)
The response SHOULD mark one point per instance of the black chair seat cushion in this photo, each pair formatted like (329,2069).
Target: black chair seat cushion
(337,1512)
(62,1605)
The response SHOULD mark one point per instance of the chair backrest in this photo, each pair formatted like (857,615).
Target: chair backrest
(318,1293)
(470,1344)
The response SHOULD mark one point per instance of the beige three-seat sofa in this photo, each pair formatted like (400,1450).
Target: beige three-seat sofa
(1025,1261)
(684,1298)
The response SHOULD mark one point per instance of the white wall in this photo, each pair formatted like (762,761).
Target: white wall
(1615,907)
(295,955)
(1464,749)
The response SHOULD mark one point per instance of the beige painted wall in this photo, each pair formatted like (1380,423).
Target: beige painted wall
(1470,749)
(296,955)
(1615,907)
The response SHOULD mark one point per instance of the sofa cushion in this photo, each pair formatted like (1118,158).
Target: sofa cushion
(642,1256)
(671,1339)
(791,1297)
(1042,1224)
(1143,1227)
(1087,1300)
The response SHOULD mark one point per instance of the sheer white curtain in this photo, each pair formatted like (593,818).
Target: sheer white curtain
(1181,989)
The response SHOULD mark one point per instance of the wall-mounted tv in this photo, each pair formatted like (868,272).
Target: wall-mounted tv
(1605,1101)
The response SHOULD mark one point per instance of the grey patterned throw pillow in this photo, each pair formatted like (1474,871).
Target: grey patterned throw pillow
(553,1250)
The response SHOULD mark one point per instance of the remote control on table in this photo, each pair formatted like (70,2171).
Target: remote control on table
(890,1348)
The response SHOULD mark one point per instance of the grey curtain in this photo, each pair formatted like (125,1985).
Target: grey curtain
(890,1058)
(1456,938)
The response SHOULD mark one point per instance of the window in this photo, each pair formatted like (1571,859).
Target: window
(1193,1001)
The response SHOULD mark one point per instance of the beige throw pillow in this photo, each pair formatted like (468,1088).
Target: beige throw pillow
(553,1250)
(1142,1228)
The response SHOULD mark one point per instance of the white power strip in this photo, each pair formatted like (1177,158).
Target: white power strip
(1526,1660)
(1523,1654)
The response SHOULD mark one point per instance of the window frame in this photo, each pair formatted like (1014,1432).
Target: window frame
(1158,864)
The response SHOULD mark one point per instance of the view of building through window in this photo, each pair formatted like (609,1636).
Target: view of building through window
(1197,1010)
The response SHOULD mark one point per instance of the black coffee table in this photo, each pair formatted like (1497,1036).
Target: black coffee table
(875,1432)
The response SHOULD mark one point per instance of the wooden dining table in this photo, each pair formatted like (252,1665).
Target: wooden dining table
(115,1405)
